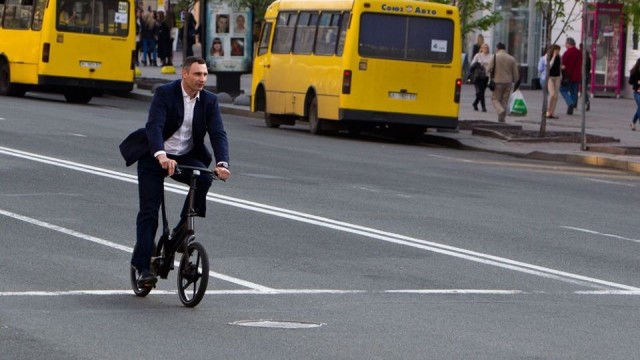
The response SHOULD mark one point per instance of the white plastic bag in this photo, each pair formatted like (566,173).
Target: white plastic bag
(517,105)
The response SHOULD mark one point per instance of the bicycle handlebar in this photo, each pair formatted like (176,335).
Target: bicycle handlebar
(180,168)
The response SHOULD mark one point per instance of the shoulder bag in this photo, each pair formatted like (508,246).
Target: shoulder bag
(492,85)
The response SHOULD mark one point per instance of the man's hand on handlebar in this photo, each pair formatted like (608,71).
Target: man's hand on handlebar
(222,173)
(167,164)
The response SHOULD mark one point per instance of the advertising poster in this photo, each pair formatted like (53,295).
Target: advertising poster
(229,37)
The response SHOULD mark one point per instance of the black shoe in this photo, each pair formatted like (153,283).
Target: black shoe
(475,107)
(570,110)
(484,109)
(146,279)
(588,106)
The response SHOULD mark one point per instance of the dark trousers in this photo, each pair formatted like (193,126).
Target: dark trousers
(481,87)
(150,189)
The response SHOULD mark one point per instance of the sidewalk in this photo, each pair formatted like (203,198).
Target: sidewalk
(609,117)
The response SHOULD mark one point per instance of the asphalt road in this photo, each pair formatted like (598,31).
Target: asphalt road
(370,248)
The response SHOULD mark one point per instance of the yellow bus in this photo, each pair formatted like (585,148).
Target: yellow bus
(359,63)
(75,47)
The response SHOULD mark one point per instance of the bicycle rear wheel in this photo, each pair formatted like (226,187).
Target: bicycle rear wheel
(193,274)
(139,291)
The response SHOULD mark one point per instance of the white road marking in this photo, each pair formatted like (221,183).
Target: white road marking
(345,227)
(311,292)
(611,182)
(599,233)
(457,291)
(78,135)
(173,292)
(120,247)
(608,292)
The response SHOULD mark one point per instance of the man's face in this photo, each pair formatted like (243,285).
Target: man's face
(223,23)
(195,77)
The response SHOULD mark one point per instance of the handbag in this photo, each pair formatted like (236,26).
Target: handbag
(492,85)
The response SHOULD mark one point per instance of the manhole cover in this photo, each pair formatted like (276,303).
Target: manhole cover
(278,324)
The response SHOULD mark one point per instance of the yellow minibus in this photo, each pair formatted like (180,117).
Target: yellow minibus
(359,63)
(76,47)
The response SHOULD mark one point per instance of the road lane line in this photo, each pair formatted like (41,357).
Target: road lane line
(346,227)
(113,245)
(173,292)
(611,182)
(314,292)
(600,233)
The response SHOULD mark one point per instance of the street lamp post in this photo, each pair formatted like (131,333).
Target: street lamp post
(585,92)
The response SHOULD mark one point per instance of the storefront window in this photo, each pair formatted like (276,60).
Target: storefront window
(513,30)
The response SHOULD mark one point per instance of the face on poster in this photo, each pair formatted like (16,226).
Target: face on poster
(229,37)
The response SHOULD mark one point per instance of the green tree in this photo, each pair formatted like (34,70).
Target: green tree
(632,16)
(469,10)
(258,7)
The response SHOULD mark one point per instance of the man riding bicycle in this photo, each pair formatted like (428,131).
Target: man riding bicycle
(180,115)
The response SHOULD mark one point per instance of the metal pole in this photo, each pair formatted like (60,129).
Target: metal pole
(585,92)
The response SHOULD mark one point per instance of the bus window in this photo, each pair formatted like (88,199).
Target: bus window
(264,39)
(327,33)
(283,37)
(103,17)
(305,33)
(18,14)
(1,12)
(344,25)
(430,39)
(406,38)
(37,14)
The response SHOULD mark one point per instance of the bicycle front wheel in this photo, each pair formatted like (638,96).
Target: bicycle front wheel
(193,274)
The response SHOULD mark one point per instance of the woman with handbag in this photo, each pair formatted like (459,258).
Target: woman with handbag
(553,85)
(479,67)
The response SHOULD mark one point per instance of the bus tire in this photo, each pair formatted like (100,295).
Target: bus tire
(78,96)
(315,124)
(271,121)
(6,87)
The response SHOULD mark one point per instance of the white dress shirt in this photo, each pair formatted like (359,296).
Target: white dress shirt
(181,142)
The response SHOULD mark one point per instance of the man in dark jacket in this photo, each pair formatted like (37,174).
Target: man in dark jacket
(572,68)
(180,116)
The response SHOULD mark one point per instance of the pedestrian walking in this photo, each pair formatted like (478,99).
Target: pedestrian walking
(572,72)
(634,81)
(479,75)
(164,40)
(553,85)
(477,45)
(542,67)
(149,34)
(504,68)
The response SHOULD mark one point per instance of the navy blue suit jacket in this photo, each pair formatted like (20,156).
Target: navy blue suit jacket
(166,115)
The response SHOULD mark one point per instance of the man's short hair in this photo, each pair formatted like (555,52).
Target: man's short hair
(571,42)
(191,60)
(501,46)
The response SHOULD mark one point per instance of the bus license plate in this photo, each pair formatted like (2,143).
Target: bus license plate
(402,95)
(90,64)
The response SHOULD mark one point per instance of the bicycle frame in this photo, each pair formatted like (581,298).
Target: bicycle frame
(167,246)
